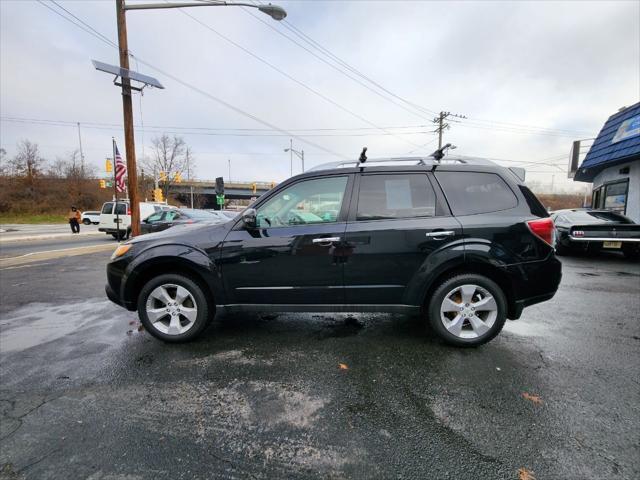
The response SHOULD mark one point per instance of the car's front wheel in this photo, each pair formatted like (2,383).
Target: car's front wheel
(467,310)
(173,308)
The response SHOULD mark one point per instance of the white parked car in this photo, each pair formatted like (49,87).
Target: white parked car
(89,218)
(115,218)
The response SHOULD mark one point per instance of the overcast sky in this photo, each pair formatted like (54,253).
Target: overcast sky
(561,67)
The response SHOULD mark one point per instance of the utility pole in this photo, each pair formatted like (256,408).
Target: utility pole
(229,160)
(81,152)
(291,155)
(127,108)
(442,125)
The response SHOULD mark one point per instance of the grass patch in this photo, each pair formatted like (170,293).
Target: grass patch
(6,218)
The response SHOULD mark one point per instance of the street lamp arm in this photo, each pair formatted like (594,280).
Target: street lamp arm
(274,11)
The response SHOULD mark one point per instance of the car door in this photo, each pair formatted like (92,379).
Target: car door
(148,223)
(397,222)
(293,256)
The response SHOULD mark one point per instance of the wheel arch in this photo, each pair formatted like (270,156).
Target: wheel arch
(145,271)
(490,271)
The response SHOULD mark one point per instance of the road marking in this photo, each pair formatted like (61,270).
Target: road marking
(25,266)
(33,257)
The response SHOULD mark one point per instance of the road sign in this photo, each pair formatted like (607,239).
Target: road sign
(220,199)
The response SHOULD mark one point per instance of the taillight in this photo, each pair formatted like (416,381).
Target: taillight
(578,233)
(128,211)
(543,228)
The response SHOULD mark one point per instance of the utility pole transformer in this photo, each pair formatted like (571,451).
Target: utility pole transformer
(127,108)
(442,125)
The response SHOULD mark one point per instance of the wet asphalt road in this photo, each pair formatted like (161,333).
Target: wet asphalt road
(84,394)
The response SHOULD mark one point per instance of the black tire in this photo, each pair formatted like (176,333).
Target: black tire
(201,302)
(86,221)
(562,250)
(631,251)
(450,284)
(122,235)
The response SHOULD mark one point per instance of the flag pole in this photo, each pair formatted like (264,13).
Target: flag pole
(115,189)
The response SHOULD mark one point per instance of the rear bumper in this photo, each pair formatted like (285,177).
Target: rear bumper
(533,283)
(603,239)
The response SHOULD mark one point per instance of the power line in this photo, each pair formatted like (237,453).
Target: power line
(293,79)
(208,131)
(238,110)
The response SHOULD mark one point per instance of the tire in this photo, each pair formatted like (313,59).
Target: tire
(562,250)
(119,237)
(467,325)
(86,221)
(173,326)
(631,251)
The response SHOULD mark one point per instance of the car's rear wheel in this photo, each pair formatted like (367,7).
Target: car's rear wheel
(86,221)
(173,308)
(631,251)
(467,310)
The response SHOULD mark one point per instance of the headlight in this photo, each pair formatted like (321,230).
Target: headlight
(121,250)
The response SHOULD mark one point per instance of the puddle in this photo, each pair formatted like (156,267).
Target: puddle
(39,323)
(589,274)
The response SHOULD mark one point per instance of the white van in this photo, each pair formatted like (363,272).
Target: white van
(114,215)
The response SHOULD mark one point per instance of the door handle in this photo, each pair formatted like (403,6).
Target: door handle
(441,234)
(325,242)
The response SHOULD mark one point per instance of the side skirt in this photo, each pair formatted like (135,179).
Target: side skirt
(341,308)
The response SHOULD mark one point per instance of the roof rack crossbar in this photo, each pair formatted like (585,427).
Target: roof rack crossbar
(414,160)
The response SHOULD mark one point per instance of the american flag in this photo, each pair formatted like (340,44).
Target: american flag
(121,172)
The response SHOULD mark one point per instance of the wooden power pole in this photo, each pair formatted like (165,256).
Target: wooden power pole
(127,108)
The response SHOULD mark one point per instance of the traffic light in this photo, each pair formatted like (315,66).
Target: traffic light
(103,184)
(157,195)
(178,177)
(108,166)
(219,186)
(254,188)
(163,177)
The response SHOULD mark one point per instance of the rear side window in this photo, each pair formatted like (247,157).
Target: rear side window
(535,206)
(395,196)
(107,208)
(469,193)
(121,209)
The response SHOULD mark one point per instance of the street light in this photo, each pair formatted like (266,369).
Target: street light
(300,155)
(275,12)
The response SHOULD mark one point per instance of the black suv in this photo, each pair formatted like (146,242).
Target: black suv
(462,241)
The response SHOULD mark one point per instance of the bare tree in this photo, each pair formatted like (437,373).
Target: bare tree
(4,168)
(57,168)
(27,163)
(171,156)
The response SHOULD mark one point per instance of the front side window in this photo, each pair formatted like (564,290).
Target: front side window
(395,196)
(469,193)
(306,202)
(156,217)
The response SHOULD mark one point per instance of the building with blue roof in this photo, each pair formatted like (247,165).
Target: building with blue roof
(613,164)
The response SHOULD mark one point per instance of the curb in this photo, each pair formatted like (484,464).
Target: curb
(27,238)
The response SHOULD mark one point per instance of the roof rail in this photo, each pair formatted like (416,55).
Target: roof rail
(411,160)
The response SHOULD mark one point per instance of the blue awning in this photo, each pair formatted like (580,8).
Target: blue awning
(618,142)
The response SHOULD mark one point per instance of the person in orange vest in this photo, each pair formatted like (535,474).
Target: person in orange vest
(74,220)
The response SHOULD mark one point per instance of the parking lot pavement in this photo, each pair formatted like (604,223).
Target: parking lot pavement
(85,394)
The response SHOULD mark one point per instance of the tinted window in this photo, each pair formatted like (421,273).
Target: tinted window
(534,204)
(121,209)
(472,192)
(154,218)
(107,207)
(306,202)
(395,196)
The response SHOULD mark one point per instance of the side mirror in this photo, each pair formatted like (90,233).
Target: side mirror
(249,218)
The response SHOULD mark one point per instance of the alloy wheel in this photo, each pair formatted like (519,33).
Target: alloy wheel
(468,311)
(171,309)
